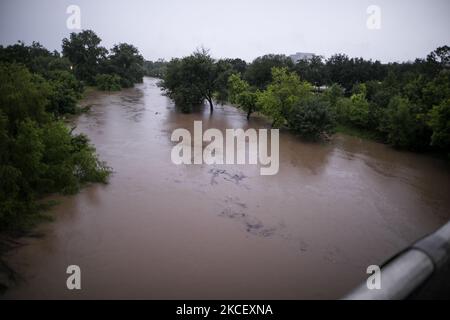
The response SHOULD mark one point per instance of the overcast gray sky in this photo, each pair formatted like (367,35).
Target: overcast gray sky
(238,28)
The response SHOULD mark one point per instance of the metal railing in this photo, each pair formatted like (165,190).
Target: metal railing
(407,273)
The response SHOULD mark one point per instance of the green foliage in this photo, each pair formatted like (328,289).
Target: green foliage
(89,60)
(52,71)
(126,61)
(22,95)
(353,111)
(108,82)
(333,93)
(191,80)
(438,60)
(358,132)
(35,57)
(238,65)
(398,103)
(155,69)
(439,121)
(347,72)
(311,117)
(241,94)
(358,114)
(38,154)
(66,91)
(177,86)
(85,53)
(224,69)
(71,160)
(437,90)
(312,70)
(259,72)
(236,86)
(405,127)
(285,90)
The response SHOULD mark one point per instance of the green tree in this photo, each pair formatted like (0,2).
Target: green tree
(178,86)
(353,111)
(236,86)
(439,121)
(66,91)
(108,82)
(155,69)
(224,71)
(22,95)
(312,70)
(405,127)
(285,90)
(32,56)
(333,93)
(126,61)
(85,53)
(238,65)
(259,72)
(311,117)
(38,154)
(191,80)
(358,114)
(242,94)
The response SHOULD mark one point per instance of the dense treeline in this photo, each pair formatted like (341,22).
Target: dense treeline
(39,154)
(82,62)
(404,104)
(122,66)
(155,69)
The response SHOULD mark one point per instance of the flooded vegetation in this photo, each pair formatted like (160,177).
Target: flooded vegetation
(159,230)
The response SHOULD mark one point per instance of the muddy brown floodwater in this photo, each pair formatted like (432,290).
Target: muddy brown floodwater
(163,231)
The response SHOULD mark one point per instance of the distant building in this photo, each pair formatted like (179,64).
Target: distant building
(301,56)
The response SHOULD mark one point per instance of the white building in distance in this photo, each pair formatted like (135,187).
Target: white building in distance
(301,56)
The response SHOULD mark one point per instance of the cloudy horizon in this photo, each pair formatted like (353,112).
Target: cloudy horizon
(244,29)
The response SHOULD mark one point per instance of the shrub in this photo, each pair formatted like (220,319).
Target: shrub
(439,121)
(405,127)
(285,90)
(38,154)
(108,82)
(311,117)
(66,91)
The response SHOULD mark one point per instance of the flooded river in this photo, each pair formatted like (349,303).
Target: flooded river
(159,230)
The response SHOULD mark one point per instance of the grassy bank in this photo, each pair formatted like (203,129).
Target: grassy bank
(359,133)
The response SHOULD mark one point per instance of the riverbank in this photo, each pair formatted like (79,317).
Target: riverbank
(359,133)
(71,156)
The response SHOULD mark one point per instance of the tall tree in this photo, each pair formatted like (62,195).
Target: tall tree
(192,80)
(85,53)
(259,72)
(241,94)
(126,61)
(285,90)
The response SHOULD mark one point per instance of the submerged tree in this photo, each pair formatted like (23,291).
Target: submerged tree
(241,94)
(311,117)
(191,80)
(285,90)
